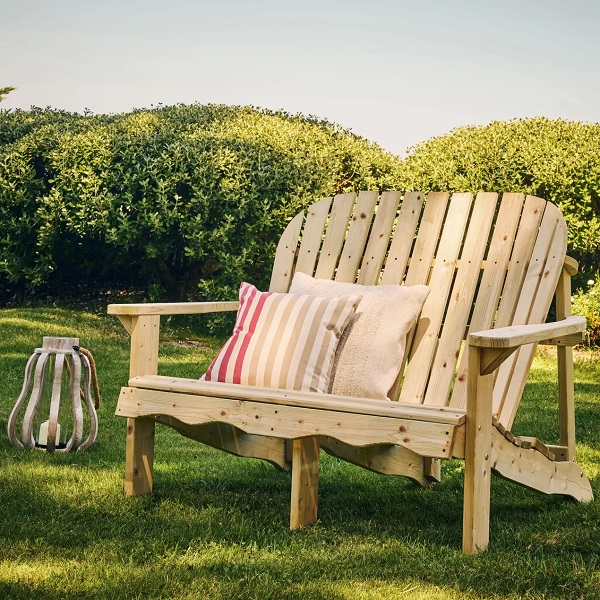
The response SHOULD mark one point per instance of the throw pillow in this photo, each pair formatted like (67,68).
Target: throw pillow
(371,350)
(283,340)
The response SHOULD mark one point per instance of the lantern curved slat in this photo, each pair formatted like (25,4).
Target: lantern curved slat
(87,397)
(59,361)
(75,390)
(36,396)
(27,384)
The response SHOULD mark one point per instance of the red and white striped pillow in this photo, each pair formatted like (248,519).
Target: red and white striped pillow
(283,341)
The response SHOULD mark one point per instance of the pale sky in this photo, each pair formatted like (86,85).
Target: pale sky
(394,71)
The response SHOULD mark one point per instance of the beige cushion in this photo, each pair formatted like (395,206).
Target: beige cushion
(283,340)
(369,355)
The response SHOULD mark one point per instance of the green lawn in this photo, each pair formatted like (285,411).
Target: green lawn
(217,526)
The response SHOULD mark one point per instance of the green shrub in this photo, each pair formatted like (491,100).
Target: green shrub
(191,199)
(557,160)
(587,304)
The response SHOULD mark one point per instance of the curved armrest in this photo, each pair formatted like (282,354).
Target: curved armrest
(498,344)
(171,308)
(518,335)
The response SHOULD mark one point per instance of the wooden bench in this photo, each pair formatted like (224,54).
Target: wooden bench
(493,265)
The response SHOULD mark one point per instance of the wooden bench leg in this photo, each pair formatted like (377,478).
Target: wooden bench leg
(432,469)
(305,482)
(478,446)
(139,456)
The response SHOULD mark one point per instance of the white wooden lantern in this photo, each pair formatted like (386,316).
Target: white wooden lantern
(64,354)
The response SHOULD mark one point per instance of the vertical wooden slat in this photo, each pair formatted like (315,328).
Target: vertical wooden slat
(536,296)
(305,482)
(566,400)
(488,294)
(139,446)
(421,259)
(427,238)
(357,236)
(374,255)
(285,255)
(402,242)
(312,236)
(335,235)
(461,299)
(478,442)
(426,334)
(533,212)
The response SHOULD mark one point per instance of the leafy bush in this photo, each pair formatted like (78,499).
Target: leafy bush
(557,160)
(190,198)
(587,304)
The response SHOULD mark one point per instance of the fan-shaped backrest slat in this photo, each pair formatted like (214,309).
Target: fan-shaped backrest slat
(404,236)
(427,238)
(285,256)
(370,268)
(461,297)
(428,328)
(335,235)
(490,287)
(354,245)
(533,304)
(312,235)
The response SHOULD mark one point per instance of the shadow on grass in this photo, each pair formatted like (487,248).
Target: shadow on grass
(217,526)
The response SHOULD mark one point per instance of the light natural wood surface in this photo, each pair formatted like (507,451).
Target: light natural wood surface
(335,235)
(290,422)
(518,335)
(532,469)
(354,245)
(305,482)
(312,236)
(442,275)
(172,308)
(285,257)
(461,299)
(493,265)
(367,406)
(478,437)
(379,239)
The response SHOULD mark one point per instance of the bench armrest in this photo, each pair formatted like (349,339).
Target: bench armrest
(518,335)
(171,308)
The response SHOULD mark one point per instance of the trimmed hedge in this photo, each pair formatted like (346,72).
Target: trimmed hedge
(188,199)
(557,160)
(587,304)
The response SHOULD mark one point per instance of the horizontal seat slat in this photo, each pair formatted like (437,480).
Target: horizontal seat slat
(322,402)
(287,421)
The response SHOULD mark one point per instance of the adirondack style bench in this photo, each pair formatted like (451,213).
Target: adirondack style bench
(493,266)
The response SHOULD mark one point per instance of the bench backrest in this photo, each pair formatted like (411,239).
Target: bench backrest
(490,262)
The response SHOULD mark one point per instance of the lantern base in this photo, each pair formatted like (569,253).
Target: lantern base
(60,446)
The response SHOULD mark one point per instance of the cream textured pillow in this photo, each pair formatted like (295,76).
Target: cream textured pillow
(283,340)
(369,355)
